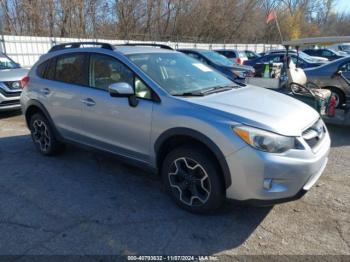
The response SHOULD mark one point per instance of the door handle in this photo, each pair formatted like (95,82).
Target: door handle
(88,102)
(45,91)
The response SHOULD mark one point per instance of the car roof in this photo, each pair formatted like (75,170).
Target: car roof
(127,50)
(194,49)
(230,50)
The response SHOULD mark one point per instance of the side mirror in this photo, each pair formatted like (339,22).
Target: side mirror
(123,89)
(337,73)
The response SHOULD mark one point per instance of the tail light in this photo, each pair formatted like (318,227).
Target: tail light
(239,61)
(24,82)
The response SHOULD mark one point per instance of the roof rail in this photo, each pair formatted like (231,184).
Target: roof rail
(146,44)
(80,44)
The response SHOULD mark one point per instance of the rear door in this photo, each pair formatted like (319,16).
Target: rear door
(60,91)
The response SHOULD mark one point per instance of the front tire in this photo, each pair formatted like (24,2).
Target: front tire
(43,135)
(192,178)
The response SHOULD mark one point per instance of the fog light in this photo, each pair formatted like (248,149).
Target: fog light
(267,183)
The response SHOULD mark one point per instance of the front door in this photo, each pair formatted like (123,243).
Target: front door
(110,123)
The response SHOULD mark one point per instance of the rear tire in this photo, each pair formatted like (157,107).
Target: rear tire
(192,178)
(43,135)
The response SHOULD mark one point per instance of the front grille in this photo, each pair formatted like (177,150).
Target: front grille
(10,102)
(314,134)
(10,94)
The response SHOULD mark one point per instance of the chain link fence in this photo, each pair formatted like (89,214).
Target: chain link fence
(27,49)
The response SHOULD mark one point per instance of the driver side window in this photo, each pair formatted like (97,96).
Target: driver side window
(106,70)
(345,67)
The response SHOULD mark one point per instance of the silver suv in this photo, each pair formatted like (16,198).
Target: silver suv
(209,138)
(11,75)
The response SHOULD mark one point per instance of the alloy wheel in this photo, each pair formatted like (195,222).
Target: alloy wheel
(41,135)
(190,181)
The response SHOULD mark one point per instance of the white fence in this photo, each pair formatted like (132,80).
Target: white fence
(27,49)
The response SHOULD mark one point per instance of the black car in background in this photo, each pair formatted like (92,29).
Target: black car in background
(324,52)
(219,62)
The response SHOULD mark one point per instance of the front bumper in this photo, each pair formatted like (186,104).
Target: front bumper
(275,178)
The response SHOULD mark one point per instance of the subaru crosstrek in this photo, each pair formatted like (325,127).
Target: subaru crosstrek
(209,138)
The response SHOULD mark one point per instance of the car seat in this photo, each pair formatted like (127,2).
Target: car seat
(297,82)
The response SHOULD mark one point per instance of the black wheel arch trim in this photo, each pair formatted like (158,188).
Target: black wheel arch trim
(42,108)
(182,131)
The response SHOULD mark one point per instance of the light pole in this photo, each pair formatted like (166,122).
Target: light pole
(2,39)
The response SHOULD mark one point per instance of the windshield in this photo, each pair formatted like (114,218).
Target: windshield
(178,73)
(217,58)
(6,63)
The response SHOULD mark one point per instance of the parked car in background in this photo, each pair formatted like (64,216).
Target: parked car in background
(301,54)
(11,75)
(251,54)
(326,77)
(324,52)
(231,69)
(236,56)
(209,138)
(345,47)
(259,63)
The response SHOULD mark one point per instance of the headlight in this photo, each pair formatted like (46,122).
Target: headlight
(264,140)
(240,74)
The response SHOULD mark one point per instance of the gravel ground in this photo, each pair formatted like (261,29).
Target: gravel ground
(88,203)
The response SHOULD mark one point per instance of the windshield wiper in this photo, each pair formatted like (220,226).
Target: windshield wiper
(208,91)
(218,89)
(189,94)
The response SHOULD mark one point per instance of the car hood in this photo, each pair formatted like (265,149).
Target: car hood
(261,108)
(13,74)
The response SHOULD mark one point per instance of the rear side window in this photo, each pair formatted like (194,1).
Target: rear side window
(72,69)
(41,69)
